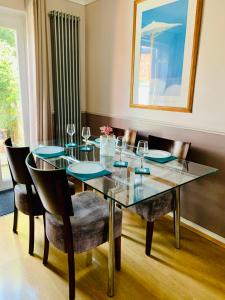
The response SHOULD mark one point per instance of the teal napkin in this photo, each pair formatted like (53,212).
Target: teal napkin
(84,177)
(120,164)
(50,155)
(71,145)
(97,140)
(143,171)
(161,160)
(86,149)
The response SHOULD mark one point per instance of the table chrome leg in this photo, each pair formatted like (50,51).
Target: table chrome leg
(89,258)
(111,255)
(177,218)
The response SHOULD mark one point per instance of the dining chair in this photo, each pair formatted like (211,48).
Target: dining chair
(26,200)
(164,203)
(73,224)
(129,134)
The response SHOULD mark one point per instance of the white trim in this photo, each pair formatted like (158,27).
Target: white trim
(202,230)
(159,123)
(83,2)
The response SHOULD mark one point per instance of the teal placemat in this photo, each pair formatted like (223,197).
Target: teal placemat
(142,171)
(161,160)
(120,164)
(85,177)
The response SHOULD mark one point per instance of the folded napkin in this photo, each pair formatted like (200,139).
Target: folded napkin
(49,155)
(143,171)
(86,148)
(84,177)
(162,160)
(71,145)
(120,164)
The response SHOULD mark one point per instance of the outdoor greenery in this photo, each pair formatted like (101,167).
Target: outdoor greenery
(9,87)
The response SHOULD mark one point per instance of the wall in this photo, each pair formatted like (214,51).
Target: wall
(108,58)
(108,70)
(14,4)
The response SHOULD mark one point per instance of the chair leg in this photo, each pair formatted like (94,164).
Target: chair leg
(71,274)
(118,253)
(46,245)
(31,235)
(149,235)
(15,219)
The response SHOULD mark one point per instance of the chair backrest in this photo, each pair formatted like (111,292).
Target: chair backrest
(176,148)
(16,158)
(129,134)
(52,187)
(140,136)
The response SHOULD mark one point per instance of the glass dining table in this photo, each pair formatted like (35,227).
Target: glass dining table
(124,187)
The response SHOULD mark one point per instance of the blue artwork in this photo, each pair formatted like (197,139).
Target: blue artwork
(163,34)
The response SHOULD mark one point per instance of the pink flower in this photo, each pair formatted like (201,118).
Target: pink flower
(106,130)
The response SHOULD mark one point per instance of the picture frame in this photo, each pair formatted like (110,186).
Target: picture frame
(164,55)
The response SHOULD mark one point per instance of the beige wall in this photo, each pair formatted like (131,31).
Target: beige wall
(108,59)
(14,4)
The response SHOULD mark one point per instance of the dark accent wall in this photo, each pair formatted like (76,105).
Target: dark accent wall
(203,201)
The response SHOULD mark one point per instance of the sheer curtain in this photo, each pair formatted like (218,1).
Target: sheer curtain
(39,70)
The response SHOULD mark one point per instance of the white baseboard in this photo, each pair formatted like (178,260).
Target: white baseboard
(202,231)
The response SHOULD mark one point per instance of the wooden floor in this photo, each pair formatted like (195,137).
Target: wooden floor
(197,271)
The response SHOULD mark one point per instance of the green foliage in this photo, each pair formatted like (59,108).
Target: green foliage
(9,88)
(8,35)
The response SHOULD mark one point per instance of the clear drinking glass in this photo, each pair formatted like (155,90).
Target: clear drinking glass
(86,133)
(142,149)
(70,129)
(120,145)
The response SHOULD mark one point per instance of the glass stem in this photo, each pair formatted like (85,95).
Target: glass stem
(71,139)
(141,161)
(120,155)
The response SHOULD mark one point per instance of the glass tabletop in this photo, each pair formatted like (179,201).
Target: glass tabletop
(123,185)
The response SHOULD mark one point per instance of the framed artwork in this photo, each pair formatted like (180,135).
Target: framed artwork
(165,48)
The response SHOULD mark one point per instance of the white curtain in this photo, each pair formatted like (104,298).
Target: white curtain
(39,71)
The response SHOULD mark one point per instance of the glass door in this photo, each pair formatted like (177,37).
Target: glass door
(13,89)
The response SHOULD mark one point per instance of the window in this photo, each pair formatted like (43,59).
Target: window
(14,104)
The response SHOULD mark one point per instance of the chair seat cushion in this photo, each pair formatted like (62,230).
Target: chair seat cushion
(71,188)
(89,223)
(23,204)
(156,207)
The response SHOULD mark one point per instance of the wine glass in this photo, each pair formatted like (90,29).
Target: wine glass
(120,145)
(86,133)
(142,149)
(70,129)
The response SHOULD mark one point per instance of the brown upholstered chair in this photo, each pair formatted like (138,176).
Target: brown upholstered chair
(165,203)
(129,134)
(74,224)
(26,199)
(176,148)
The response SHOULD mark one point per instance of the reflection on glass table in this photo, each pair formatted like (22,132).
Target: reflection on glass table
(163,177)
